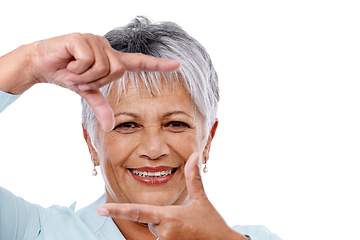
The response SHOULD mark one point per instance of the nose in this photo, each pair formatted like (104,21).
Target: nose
(153,145)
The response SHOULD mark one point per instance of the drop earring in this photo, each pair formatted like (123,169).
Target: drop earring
(94,172)
(205,169)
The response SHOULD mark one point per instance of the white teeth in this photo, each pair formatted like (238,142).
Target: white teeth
(153,174)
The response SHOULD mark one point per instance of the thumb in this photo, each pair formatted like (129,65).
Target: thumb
(193,177)
(100,107)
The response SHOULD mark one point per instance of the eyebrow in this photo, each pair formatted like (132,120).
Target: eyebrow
(164,116)
(126,113)
(176,112)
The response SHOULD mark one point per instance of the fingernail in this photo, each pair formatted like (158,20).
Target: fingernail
(103,211)
(83,87)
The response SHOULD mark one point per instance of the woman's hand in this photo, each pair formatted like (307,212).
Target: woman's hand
(198,219)
(80,62)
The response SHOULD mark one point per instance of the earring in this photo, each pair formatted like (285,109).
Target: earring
(205,169)
(94,172)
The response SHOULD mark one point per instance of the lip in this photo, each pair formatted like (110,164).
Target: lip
(153,180)
(153,169)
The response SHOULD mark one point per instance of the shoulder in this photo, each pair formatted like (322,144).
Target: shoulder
(62,222)
(256,232)
(19,219)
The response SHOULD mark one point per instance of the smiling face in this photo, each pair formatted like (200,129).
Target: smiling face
(143,158)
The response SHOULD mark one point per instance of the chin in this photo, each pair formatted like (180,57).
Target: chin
(161,198)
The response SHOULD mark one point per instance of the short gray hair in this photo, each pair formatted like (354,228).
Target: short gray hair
(165,40)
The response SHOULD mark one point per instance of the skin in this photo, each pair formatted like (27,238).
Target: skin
(162,130)
(83,63)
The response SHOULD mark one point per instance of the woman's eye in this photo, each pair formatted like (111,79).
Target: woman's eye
(177,125)
(127,126)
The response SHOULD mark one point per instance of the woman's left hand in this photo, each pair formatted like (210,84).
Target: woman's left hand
(197,219)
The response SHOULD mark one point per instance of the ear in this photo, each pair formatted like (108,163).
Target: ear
(208,144)
(93,152)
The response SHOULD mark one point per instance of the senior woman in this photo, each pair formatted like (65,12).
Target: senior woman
(148,123)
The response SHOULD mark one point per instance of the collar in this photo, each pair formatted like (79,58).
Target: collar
(102,227)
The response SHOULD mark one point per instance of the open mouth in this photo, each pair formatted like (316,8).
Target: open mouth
(153,176)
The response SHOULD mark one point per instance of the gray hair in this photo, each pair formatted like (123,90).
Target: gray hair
(165,40)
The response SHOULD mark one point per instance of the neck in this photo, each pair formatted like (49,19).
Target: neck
(134,231)
(129,229)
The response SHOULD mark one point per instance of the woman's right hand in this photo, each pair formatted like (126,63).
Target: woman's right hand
(80,62)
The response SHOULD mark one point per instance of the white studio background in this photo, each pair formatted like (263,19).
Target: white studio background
(286,154)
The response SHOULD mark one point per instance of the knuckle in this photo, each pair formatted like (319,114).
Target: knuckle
(82,36)
(88,35)
(88,59)
(168,233)
(142,64)
(102,69)
(118,70)
(104,41)
(136,214)
(75,35)
(98,39)
(140,59)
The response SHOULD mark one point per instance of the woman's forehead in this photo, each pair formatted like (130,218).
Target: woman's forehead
(172,100)
(146,89)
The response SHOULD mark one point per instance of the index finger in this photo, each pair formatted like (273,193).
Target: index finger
(100,107)
(134,212)
(136,62)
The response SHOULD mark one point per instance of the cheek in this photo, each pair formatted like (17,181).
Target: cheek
(116,150)
(184,144)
